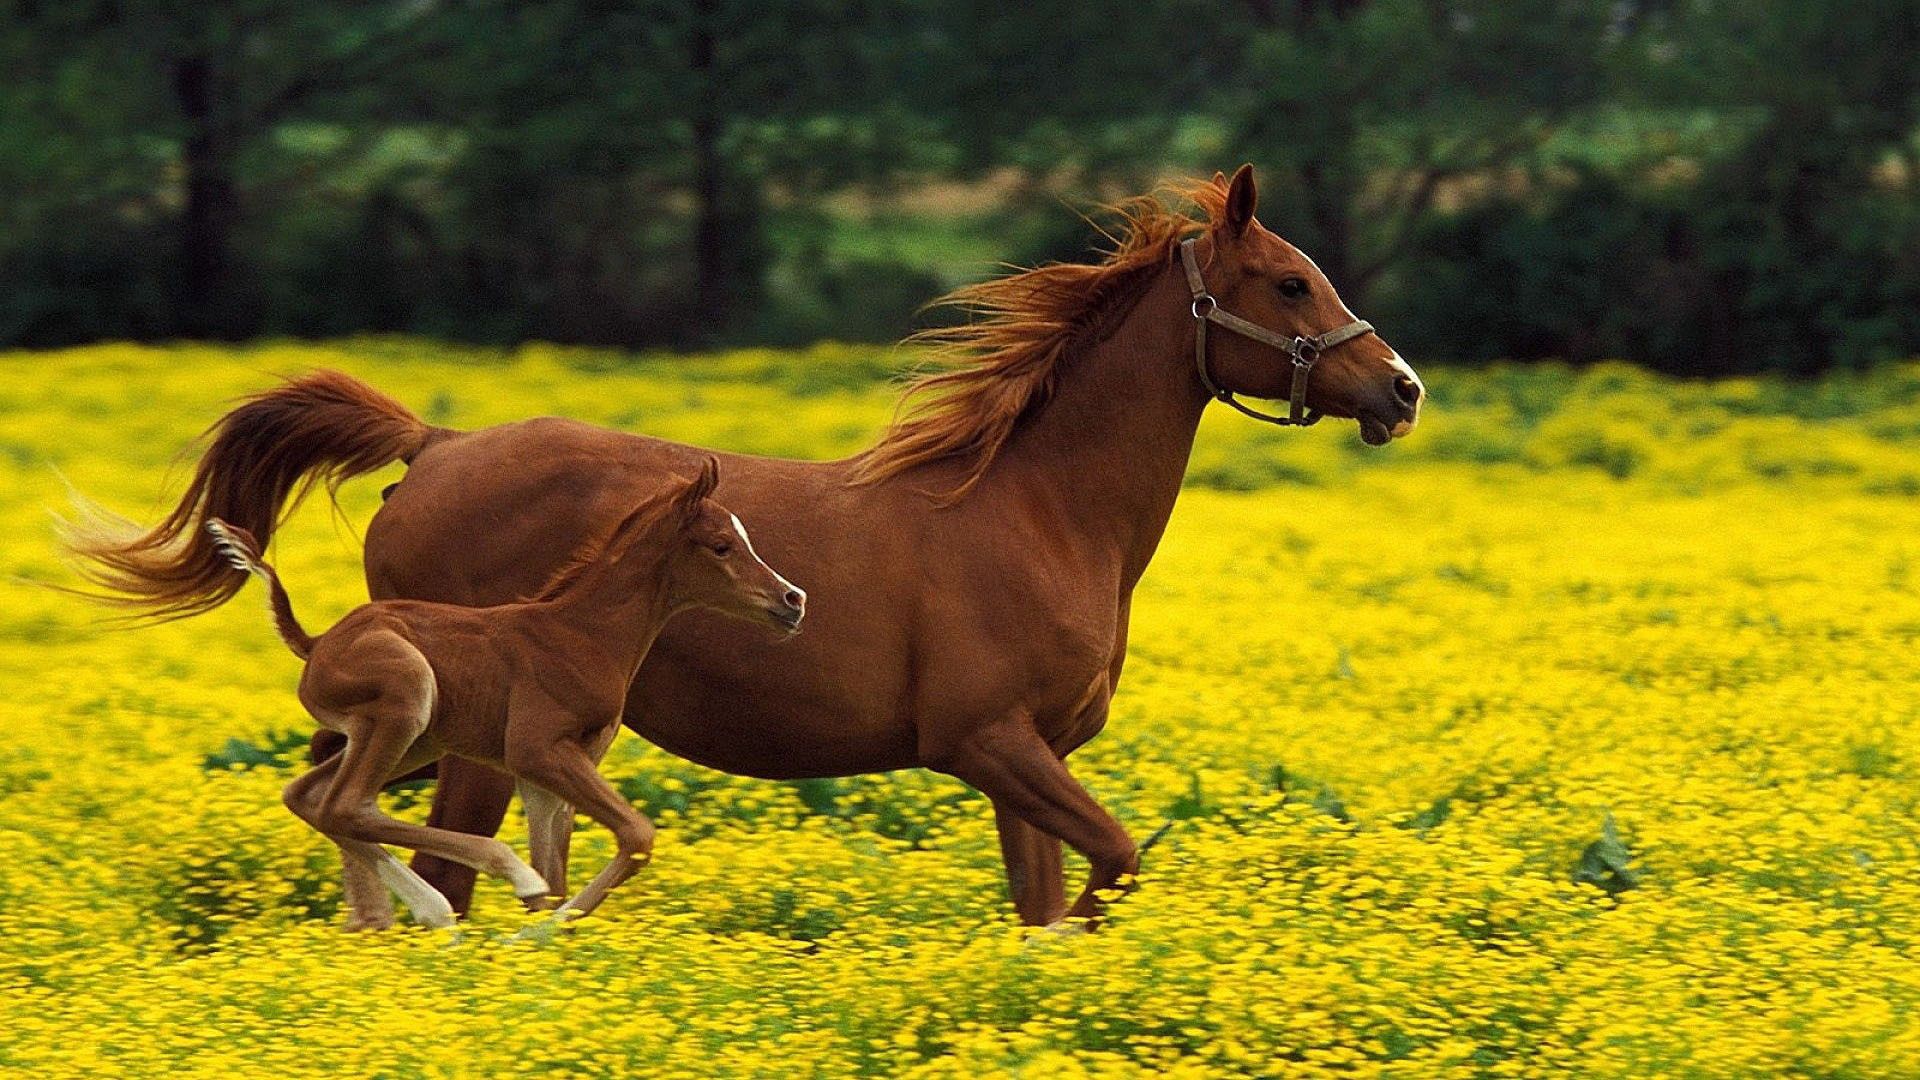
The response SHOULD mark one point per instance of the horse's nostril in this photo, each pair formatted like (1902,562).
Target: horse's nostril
(1407,391)
(795,598)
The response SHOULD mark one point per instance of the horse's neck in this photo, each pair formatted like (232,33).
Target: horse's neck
(1112,444)
(608,595)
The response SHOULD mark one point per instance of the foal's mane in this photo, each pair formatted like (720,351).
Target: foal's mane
(679,497)
(591,552)
(1003,363)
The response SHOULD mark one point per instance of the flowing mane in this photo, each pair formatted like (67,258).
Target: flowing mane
(1002,364)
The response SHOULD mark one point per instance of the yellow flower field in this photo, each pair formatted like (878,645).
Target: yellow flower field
(1389,699)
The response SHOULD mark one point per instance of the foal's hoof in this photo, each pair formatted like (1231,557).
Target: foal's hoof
(359,923)
(436,920)
(542,902)
(1068,927)
(544,930)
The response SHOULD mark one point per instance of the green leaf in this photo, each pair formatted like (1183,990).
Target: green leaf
(1607,863)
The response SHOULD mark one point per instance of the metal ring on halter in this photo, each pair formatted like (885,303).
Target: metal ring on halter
(1303,351)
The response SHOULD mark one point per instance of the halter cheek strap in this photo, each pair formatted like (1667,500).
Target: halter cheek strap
(1303,351)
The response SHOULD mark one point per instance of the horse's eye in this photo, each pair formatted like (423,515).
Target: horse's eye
(1293,288)
(723,549)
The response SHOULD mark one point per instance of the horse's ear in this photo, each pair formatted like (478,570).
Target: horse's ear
(699,487)
(1219,179)
(1242,197)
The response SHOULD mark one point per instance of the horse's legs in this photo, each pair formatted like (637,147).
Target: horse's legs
(568,769)
(1012,765)
(379,748)
(470,798)
(369,870)
(1034,875)
(550,821)
(546,842)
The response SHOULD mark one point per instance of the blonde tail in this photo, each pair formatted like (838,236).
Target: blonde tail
(240,549)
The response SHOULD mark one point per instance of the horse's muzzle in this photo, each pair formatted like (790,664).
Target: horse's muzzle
(1395,416)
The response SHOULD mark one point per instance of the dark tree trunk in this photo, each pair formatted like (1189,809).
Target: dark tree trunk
(709,230)
(212,204)
(1329,206)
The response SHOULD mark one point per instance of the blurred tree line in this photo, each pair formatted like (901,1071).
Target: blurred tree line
(1702,185)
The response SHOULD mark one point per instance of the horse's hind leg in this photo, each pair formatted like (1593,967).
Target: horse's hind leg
(1012,765)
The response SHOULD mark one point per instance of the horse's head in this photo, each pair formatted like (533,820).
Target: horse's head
(712,564)
(1254,274)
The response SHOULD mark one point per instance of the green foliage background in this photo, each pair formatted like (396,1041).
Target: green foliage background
(1702,187)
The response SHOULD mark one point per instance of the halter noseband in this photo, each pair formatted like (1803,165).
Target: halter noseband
(1303,351)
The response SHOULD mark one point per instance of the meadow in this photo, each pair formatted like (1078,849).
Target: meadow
(1576,733)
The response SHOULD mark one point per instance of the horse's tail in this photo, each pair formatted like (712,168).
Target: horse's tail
(243,552)
(266,455)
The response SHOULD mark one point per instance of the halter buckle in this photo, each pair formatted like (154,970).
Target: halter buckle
(1207,299)
(1305,352)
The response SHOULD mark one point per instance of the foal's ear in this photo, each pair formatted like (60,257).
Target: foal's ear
(701,486)
(1242,197)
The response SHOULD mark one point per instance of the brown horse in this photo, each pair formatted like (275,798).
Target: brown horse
(534,689)
(973,572)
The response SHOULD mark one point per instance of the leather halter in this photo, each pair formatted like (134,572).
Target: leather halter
(1303,351)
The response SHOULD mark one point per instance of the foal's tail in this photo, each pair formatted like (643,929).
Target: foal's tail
(266,455)
(240,549)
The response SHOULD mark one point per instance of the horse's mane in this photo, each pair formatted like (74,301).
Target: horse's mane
(1003,363)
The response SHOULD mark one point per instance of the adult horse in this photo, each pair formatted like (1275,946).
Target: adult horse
(971,574)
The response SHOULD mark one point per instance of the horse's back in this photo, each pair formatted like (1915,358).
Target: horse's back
(485,517)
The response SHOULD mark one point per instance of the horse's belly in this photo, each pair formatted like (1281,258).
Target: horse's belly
(736,725)
(732,696)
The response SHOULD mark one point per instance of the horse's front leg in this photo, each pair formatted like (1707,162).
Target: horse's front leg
(1034,876)
(1012,765)
(1035,879)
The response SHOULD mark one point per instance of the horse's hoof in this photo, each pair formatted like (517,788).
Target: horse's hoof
(542,902)
(1054,931)
(360,924)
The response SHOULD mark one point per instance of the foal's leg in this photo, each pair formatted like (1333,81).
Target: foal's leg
(549,829)
(1012,765)
(369,869)
(550,820)
(567,768)
(378,748)
(469,798)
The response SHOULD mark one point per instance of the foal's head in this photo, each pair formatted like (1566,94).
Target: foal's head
(704,556)
(1260,277)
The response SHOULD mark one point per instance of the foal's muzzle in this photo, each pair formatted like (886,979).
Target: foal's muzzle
(787,612)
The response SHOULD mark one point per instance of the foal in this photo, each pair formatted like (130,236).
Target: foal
(533,688)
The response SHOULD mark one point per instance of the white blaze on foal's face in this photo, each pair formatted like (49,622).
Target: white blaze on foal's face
(785,585)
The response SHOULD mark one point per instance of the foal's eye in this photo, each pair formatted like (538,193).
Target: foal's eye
(1293,288)
(723,549)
